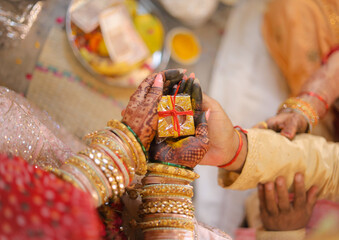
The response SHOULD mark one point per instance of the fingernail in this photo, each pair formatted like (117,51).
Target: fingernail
(269,186)
(182,70)
(192,75)
(279,182)
(298,177)
(158,81)
(207,114)
(260,186)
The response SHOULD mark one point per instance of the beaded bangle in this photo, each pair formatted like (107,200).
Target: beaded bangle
(108,168)
(121,166)
(138,139)
(238,150)
(113,142)
(313,94)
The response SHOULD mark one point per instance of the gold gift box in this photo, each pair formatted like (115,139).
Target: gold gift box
(166,124)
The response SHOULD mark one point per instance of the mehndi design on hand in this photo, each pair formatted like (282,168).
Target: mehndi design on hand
(187,151)
(141,112)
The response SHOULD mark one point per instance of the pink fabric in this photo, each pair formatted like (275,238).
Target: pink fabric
(30,133)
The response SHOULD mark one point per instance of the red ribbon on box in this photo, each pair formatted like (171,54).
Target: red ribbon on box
(174,113)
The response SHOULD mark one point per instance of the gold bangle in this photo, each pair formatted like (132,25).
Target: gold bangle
(167,189)
(108,167)
(168,222)
(163,180)
(142,168)
(302,107)
(95,177)
(112,141)
(168,206)
(175,171)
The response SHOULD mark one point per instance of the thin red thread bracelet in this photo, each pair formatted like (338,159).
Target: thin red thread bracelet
(327,56)
(239,147)
(313,94)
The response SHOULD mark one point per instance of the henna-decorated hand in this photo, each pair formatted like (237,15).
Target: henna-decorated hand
(141,111)
(187,151)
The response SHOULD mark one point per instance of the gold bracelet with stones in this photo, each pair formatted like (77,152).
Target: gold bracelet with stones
(115,148)
(109,169)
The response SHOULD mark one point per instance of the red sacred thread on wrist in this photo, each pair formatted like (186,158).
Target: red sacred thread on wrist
(239,147)
(327,56)
(313,94)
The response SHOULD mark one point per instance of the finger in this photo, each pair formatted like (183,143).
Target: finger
(139,95)
(274,124)
(123,112)
(312,197)
(271,204)
(261,195)
(174,73)
(188,86)
(155,91)
(172,77)
(261,125)
(196,97)
(173,89)
(299,191)
(290,128)
(283,199)
(182,86)
(201,126)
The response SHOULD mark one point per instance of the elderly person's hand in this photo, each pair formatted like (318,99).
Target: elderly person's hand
(185,151)
(141,111)
(287,123)
(278,213)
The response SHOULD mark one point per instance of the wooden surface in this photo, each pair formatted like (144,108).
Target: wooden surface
(15,75)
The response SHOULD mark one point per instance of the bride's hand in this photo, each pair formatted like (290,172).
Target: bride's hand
(141,111)
(224,140)
(187,151)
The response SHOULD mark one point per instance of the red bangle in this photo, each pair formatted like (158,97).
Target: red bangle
(327,56)
(313,94)
(239,147)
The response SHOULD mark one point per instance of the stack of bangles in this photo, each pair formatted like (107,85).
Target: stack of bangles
(167,210)
(109,163)
(296,104)
(241,142)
